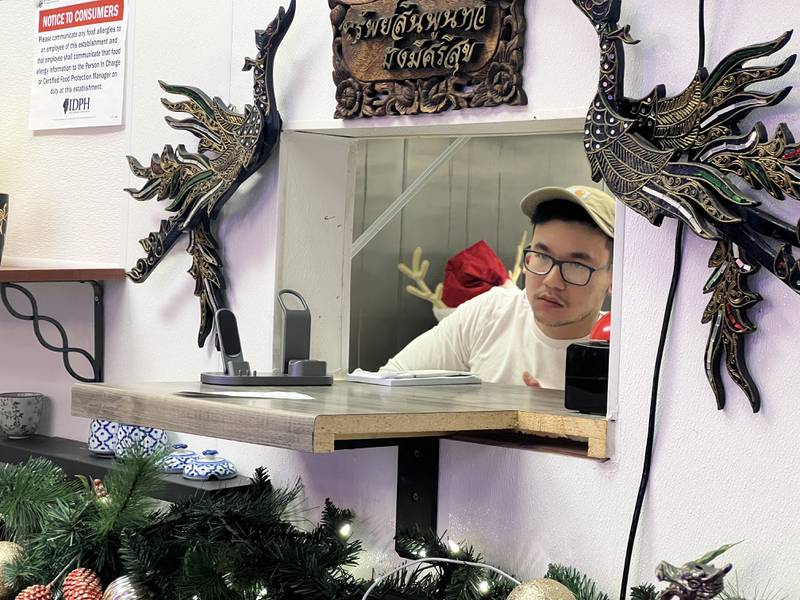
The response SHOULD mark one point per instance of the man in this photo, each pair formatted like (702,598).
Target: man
(507,335)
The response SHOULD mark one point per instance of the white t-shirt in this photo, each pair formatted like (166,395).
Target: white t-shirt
(493,335)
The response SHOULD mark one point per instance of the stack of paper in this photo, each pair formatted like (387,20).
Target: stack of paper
(408,378)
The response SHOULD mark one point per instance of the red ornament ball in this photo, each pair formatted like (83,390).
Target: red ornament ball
(602,329)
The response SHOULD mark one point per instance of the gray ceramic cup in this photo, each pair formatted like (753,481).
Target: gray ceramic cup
(20,413)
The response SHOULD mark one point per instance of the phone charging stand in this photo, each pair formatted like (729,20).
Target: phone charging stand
(299,370)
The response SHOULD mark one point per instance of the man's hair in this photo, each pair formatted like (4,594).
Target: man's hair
(562,210)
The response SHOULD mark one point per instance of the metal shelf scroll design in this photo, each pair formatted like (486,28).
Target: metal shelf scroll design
(65,349)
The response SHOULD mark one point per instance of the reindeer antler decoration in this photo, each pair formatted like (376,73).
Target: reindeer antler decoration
(516,273)
(419,270)
(417,273)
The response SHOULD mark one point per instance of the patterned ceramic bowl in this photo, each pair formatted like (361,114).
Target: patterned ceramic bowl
(176,461)
(131,438)
(103,437)
(209,466)
(20,413)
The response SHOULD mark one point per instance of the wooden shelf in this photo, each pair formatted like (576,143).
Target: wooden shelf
(31,270)
(348,414)
(75,458)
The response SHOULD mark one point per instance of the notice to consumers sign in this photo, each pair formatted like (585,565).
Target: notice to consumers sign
(79,64)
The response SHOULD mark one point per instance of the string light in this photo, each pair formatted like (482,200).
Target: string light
(377,582)
(483,587)
(345,530)
(454,548)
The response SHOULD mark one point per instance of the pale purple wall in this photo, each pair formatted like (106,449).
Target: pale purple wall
(718,476)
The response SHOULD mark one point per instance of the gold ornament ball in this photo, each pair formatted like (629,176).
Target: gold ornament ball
(121,589)
(8,552)
(541,589)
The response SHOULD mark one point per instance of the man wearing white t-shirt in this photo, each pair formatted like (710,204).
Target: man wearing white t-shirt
(507,335)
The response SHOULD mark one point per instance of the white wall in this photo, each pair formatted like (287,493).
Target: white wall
(718,476)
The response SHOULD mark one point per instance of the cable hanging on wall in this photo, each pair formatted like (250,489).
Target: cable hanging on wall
(662,340)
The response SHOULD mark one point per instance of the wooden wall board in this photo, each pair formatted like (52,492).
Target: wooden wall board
(344,411)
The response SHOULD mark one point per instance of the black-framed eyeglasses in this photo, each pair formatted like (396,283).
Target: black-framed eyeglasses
(572,272)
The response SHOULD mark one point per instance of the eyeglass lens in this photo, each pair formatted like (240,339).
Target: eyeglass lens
(572,272)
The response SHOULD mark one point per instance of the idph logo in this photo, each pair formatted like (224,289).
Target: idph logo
(76,104)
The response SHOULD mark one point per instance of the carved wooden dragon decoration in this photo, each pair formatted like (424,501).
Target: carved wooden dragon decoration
(232,147)
(673,157)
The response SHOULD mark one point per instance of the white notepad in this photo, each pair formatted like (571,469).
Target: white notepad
(409,378)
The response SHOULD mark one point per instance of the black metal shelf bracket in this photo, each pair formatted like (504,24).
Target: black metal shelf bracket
(417,483)
(417,487)
(96,361)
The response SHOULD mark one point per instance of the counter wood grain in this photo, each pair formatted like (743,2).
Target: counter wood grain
(344,412)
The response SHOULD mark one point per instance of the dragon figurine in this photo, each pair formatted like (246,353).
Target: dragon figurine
(673,157)
(232,147)
(696,580)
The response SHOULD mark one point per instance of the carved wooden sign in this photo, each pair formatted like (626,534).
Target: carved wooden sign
(404,57)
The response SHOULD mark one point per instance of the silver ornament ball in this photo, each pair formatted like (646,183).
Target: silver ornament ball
(121,589)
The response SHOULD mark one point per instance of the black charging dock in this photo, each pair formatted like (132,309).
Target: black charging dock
(298,368)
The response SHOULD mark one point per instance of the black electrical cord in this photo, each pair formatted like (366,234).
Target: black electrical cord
(701,58)
(651,424)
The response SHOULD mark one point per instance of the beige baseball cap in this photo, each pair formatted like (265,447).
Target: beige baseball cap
(599,205)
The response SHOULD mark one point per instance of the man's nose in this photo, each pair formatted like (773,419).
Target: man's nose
(553,279)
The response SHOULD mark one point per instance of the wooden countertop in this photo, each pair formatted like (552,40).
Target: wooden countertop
(344,412)
(33,270)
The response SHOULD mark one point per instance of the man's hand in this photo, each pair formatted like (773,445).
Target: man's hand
(530,380)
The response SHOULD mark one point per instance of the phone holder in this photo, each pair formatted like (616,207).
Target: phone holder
(298,368)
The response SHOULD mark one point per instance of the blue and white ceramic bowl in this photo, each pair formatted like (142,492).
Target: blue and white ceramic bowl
(176,461)
(133,438)
(209,466)
(103,437)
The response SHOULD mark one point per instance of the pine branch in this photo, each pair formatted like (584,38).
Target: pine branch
(31,494)
(734,591)
(579,584)
(131,485)
(234,544)
(465,584)
(46,553)
(242,541)
(418,583)
(449,581)
(87,530)
(646,591)
(205,569)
